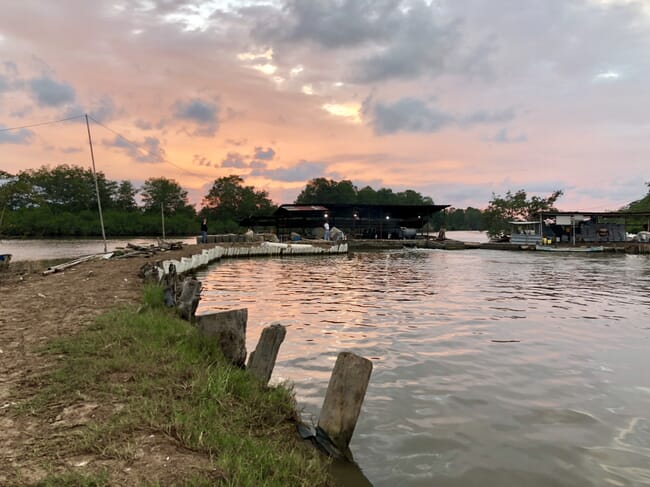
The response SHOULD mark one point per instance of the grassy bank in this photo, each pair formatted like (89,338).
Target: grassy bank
(135,376)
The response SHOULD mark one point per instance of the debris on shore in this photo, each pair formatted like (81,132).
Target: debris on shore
(131,250)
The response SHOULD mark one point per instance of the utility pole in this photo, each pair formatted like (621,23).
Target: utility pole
(162,214)
(99,201)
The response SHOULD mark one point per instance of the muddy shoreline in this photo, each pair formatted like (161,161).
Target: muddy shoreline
(35,309)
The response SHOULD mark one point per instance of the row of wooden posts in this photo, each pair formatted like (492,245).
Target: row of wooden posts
(347,385)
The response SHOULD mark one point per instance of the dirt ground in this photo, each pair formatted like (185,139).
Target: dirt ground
(35,309)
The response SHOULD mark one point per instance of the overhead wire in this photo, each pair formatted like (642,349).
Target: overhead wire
(7,129)
(136,146)
(130,142)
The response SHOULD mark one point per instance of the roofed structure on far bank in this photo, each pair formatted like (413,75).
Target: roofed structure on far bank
(356,220)
(578,227)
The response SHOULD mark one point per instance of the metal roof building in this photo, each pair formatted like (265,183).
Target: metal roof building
(356,220)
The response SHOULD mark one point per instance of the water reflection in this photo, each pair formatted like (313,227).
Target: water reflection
(566,405)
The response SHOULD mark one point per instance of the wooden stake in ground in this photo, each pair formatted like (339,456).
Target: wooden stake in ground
(344,397)
(228,328)
(262,360)
(189,298)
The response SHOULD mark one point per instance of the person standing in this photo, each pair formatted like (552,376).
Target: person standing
(204,231)
(327,231)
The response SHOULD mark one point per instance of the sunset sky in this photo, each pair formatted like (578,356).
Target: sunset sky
(456,99)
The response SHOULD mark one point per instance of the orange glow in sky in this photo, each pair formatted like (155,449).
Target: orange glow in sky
(450,98)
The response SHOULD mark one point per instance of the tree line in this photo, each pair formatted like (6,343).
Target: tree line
(62,201)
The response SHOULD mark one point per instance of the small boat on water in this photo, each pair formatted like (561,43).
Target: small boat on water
(548,248)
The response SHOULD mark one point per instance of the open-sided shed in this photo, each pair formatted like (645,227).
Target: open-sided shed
(358,221)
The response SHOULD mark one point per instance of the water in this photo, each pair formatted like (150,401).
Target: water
(39,249)
(567,404)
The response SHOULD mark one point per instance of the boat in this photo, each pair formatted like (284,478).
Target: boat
(4,260)
(548,248)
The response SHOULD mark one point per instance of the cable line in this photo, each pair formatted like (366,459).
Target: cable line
(136,146)
(40,124)
(131,143)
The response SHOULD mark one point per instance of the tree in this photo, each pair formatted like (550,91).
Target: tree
(124,198)
(323,190)
(68,188)
(10,188)
(411,197)
(515,207)
(367,196)
(230,200)
(636,224)
(640,205)
(166,192)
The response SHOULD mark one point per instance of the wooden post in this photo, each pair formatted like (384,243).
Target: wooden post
(344,397)
(229,329)
(262,360)
(189,298)
(169,283)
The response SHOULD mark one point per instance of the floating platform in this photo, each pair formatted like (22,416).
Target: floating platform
(262,249)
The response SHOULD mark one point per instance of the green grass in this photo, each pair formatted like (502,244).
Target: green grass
(150,372)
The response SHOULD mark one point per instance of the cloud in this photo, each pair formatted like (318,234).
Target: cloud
(22,112)
(303,171)
(330,23)
(265,155)
(421,44)
(51,93)
(573,69)
(236,142)
(4,84)
(482,117)
(408,115)
(102,110)
(143,124)
(371,40)
(20,136)
(203,113)
(258,165)
(71,150)
(502,137)
(147,151)
(416,116)
(234,159)
(10,67)
(202,161)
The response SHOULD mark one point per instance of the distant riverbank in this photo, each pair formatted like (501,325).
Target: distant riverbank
(64,248)
(70,248)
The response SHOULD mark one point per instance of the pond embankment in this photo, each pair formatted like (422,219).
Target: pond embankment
(118,403)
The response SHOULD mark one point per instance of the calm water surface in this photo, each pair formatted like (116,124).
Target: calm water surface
(568,404)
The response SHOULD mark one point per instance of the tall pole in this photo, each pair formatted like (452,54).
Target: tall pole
(162,215)
(573,229)
(99,201)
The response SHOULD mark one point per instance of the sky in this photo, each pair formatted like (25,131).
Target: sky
(456,99)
